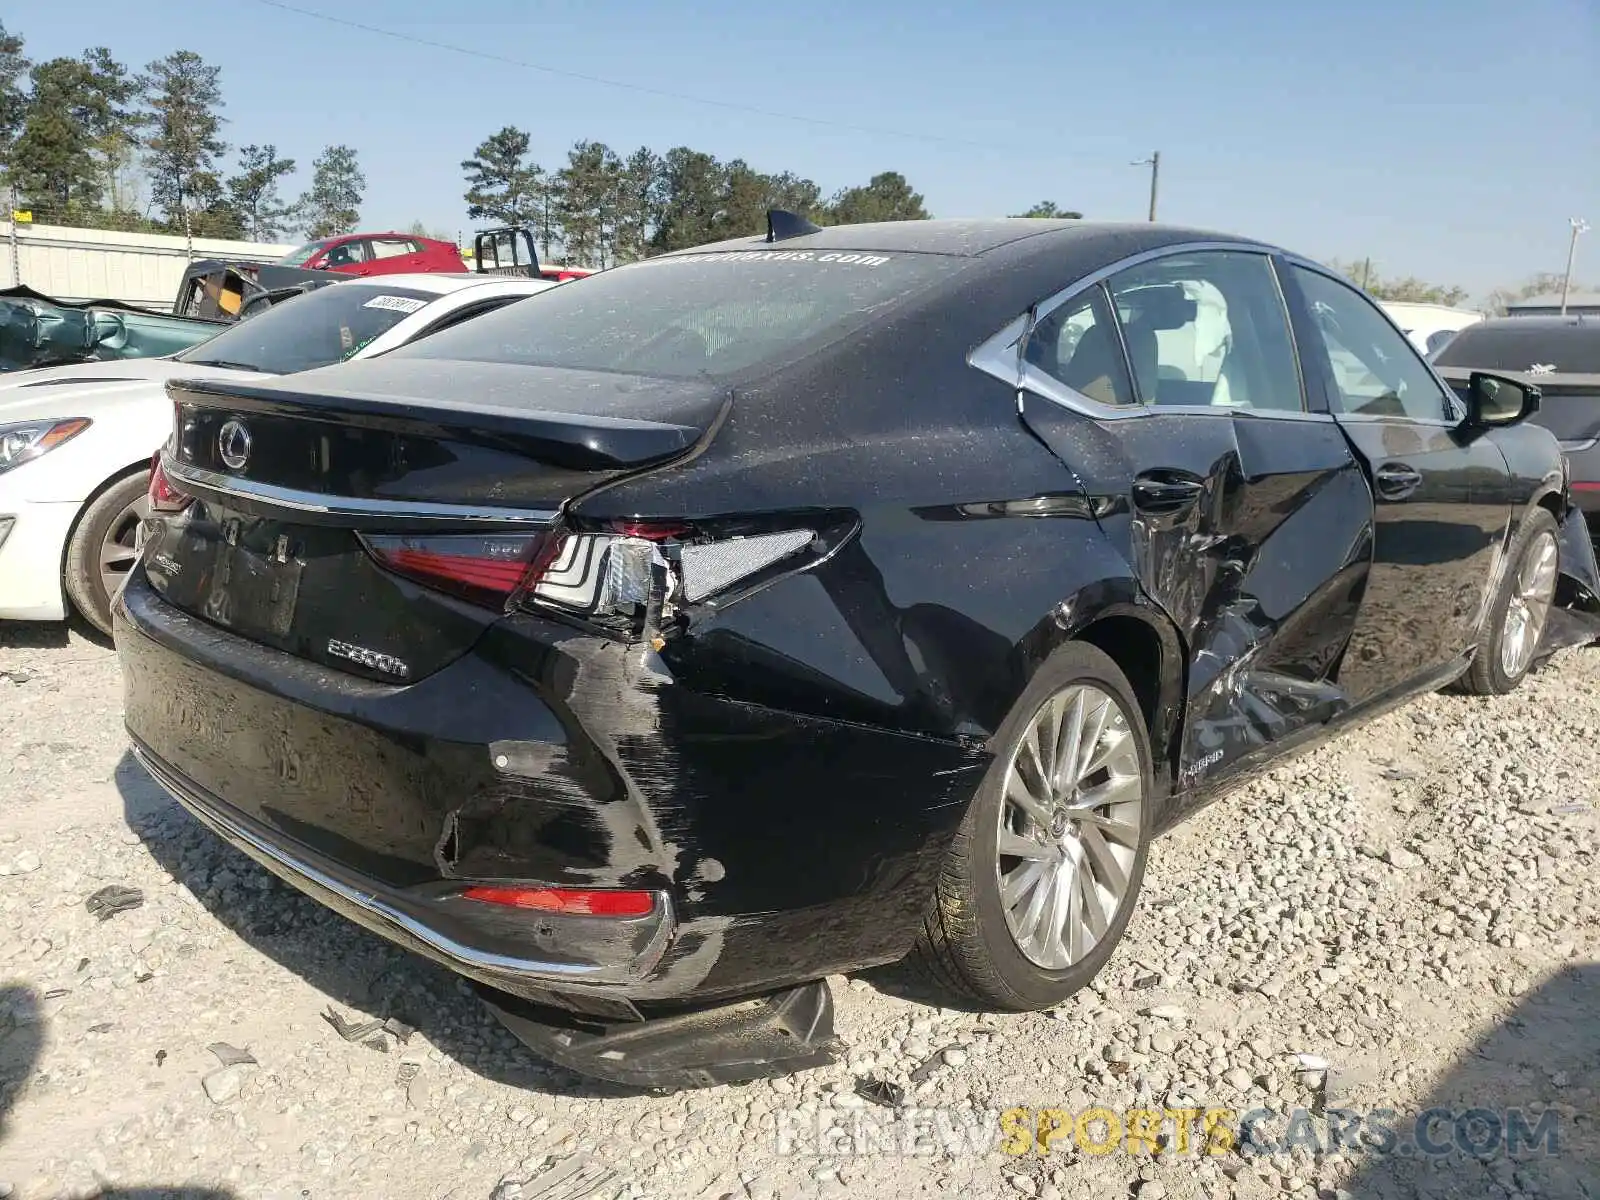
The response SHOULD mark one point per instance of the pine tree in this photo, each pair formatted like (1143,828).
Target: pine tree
(13,100)
(1049,208)
(587,205)
(637,211)
(76,108)
(182,143)
(689,196)
(886,197)
(333,203)
(253,192)
(503,186)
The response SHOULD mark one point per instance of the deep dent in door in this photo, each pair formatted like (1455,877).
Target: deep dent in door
(1261,575)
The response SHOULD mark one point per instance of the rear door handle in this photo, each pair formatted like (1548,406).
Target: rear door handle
(1396,481)
(1166,491)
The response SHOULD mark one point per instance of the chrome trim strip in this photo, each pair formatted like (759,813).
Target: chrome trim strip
(1577,446)
(1001,354)
(382,914)
(296,500)
(1083,283)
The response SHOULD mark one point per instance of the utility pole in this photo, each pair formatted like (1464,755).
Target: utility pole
(1366,272)
(1154,163)
(1579,226)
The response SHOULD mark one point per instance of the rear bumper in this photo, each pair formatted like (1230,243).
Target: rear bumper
(781,848)
(611,951)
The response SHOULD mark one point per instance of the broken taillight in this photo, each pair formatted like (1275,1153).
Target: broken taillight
(619,578)
(577,902)
(484,568)
(163,496)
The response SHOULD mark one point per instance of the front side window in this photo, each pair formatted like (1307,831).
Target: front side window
(346,254)
(301,255)
(1208,329)
(1375,371)
(1076,344)
(317,329)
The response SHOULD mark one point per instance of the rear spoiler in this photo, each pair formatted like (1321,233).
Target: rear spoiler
(572,440)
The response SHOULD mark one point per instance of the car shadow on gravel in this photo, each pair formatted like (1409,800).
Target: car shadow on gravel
(356,970)
(1519,1113)
(22,1029)
(33,635)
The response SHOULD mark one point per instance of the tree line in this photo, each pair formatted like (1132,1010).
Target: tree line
(87,141)
(80,138)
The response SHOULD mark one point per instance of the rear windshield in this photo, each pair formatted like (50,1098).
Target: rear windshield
(317,329)
(1570,349)
(694,315)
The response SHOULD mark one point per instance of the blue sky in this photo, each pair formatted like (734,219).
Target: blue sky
(1450,139)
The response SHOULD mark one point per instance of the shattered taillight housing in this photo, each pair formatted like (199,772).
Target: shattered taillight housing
(631,579)
(634,576)
(162,494)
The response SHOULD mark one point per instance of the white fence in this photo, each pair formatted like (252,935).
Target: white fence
(99,264)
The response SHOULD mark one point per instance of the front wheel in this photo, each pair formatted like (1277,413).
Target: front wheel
(1040,881)
(103,548)
(1508,645)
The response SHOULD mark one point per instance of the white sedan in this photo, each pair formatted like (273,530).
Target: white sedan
(76,442)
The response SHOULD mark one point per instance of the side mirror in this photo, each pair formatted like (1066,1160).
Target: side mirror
(1494,401)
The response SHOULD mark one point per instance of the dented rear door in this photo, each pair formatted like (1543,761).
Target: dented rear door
(1243,515)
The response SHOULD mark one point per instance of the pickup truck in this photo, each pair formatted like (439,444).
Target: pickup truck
(220,291)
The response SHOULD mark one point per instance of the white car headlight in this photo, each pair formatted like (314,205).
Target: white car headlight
(24,441)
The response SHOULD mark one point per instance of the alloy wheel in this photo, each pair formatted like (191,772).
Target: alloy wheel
(1070,823)
(1529,605)
(119,547)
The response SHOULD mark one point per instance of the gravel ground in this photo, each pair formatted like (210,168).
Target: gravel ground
(1404,919)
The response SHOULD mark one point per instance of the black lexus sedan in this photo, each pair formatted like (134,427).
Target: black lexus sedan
(775,609)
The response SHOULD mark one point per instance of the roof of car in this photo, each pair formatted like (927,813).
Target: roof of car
(1575,299)
(444,282)
(967,237)
(1539,324)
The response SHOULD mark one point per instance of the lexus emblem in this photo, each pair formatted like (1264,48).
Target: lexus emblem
(233,444)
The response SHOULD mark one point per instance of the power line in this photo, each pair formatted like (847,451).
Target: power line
(642,89)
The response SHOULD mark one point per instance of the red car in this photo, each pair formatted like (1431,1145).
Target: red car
(376,254)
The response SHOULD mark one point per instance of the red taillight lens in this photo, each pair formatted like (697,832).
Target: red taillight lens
(163,496)
(485,569)
(580,902)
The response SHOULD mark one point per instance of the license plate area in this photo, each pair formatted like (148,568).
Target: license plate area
(252,591)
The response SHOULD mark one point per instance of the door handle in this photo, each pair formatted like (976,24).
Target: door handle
(1166,491)
(1396,481)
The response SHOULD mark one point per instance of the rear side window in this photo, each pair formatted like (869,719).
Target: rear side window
(1569,349)
(1077,345)
(393,247)
(695,315)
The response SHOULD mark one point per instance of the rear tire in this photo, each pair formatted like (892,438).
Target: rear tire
(101,552)
(1520,609)
(977,940)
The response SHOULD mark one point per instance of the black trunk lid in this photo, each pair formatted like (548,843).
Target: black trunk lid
(288,474)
